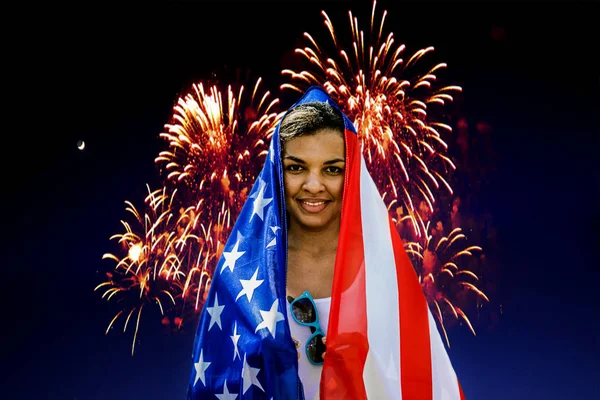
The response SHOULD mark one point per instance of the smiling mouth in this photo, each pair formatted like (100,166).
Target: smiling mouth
(313,207)
(313,203)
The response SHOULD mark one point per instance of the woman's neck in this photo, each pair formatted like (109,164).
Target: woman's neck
(311,261)
(313,243)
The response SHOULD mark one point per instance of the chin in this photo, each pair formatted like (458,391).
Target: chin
(315,224)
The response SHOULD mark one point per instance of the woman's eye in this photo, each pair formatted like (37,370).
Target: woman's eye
(334,170)
(294,168)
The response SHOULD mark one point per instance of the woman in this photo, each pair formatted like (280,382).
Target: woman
(312,140)
(299,263)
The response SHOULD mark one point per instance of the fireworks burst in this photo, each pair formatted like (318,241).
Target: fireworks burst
(215,151)
(216,147)
(147,272)
(440,271)
(401,141)
(395,106)
(216,142)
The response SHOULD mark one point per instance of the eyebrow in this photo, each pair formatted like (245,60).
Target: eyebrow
(300,161)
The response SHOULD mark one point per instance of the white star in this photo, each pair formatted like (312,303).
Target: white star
(232,256)
(259,200)
(200,366)
(226,395)
(235,338)
(249,286)
(274,241)
(249,377)
(270,318)
(215,313)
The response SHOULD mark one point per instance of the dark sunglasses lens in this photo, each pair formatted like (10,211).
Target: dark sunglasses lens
(304,311)
(315,349)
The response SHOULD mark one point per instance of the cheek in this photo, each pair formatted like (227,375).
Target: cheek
(338,188)
(290,186)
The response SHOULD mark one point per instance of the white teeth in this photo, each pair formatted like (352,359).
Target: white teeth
(314,204)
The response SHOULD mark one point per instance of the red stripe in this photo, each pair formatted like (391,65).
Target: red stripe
(347,344)
(462,395)
(415,348)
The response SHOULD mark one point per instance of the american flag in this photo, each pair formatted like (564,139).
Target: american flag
(382,341)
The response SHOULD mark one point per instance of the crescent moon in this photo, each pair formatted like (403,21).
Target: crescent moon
(81,145)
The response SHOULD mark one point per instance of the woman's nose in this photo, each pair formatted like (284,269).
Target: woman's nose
(313,183)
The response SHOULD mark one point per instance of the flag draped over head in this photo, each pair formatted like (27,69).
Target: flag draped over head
(382,341)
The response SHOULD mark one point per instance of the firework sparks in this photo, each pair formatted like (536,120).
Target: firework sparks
(439,268)
(215,150)
(216,143)
(395,104)
(216,146)
(171,251)
(145,274)
(401,140)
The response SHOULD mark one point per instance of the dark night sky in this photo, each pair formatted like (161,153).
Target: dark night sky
(110,77)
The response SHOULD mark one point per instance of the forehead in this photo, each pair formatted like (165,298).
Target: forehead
(325,143)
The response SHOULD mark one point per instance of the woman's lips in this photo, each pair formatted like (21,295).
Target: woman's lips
(313,206)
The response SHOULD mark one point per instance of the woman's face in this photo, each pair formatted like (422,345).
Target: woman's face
(313,175)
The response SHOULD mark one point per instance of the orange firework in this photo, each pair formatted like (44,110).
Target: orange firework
(147,272)
(215,150)
(395,106)
(442,276)
(390,107)
(216,146)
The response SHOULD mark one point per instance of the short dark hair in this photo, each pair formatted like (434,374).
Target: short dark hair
(308,118)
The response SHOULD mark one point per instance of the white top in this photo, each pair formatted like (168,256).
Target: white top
(310,375)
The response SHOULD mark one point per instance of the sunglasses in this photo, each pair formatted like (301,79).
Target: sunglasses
(304,311)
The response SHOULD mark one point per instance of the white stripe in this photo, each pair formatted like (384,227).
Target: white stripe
(443,377)
(381,373)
